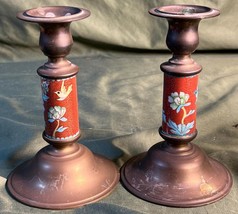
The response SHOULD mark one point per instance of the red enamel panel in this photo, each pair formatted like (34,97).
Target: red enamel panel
(61,108)
(179,105)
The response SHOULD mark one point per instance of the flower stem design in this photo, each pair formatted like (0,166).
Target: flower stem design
(57,113)
(184,115)
(56,128)
(179,101)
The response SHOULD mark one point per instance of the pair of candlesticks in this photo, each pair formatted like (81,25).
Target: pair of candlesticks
(66,174)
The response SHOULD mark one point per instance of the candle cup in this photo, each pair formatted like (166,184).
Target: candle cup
(176,172)
(64,174)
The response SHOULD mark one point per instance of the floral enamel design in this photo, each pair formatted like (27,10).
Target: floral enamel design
(180,129)
(45,89)
(196,94)
(163,116)
(63,93)
(178,102)
(57,113)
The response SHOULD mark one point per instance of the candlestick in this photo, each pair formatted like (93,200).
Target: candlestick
(64,174)
(176,172)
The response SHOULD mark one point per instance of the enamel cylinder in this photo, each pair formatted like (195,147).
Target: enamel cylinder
(179,105)
(60,108)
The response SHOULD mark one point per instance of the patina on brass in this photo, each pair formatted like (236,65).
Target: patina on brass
(176,172)
(64,174)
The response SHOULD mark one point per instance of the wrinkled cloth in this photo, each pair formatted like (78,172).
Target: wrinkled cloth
(120,103)
(119,49)
(113,26)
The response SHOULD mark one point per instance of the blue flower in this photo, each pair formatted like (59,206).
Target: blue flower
(180,129)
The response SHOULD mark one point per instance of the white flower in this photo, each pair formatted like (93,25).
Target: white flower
(56,113)
(177,101)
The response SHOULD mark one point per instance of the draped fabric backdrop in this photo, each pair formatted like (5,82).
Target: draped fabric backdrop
(119,49)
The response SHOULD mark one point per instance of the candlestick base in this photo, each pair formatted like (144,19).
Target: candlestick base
(179,176)
(63,178)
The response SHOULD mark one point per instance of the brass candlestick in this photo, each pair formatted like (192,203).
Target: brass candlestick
(64,174)
(176,172)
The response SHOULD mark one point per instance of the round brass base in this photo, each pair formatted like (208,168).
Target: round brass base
(182,176)
(61,179)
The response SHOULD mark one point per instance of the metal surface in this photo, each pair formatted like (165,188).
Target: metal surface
(61,179)
(176,172)
(180,177)
(64,174)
